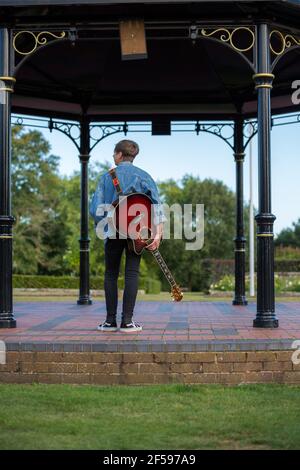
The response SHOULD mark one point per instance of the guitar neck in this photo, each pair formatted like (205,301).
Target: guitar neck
(162,264)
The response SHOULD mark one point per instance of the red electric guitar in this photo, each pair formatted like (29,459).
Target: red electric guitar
(132,218)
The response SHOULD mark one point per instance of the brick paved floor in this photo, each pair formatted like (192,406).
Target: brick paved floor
(167,326)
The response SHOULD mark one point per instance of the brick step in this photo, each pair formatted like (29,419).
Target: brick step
(227,368)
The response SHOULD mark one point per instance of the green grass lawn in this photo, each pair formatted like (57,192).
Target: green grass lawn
(149,417)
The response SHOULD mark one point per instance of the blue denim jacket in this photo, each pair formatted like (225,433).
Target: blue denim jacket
(132,179)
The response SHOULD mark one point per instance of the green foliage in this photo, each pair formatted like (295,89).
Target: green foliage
(46,206)
(224,284)
(221,267)
(287,283)
(189,266)
(40,232)
(206,273)
(70,198)
(289,236)
(288,265)
(55,282)
(47,211)
(282,283)
(283,253)
(151,286)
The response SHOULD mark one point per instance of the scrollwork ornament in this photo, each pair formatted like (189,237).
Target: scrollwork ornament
(224,131)
(287,41)
(71,130)
(225,35)
(40,39)
(100,132)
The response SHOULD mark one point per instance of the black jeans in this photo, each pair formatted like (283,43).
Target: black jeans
(113,254)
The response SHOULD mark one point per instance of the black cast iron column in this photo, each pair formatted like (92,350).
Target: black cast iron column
(265,317)
(6,219)
(240,240)
(84,241)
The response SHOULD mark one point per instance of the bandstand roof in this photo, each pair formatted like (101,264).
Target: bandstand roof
(178,80)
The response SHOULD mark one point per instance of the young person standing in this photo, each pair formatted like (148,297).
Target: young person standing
(131,179)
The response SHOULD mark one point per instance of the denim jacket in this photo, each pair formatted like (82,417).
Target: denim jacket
(132,179)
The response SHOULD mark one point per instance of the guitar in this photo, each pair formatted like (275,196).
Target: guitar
(132,218)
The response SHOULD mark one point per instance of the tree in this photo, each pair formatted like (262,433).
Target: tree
(219,228)
(40,232)
(71,200)
(289,236)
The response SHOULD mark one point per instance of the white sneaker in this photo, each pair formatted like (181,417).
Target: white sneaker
(130,327)
(106,326)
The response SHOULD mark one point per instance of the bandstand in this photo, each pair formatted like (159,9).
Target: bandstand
(210,66)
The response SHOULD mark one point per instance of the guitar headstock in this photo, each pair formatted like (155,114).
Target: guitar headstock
(176,294)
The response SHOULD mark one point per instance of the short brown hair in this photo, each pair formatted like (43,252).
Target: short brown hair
(129,149)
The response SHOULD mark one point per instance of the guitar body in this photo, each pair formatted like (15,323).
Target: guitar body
(133,220)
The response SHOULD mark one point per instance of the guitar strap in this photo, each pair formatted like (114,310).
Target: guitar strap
(115,181)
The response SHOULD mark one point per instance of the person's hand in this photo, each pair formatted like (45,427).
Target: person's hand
(155,244)
(157,239)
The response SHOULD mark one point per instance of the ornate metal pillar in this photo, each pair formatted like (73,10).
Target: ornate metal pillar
(84,241)
(6,219)
(239,240)
(265,317)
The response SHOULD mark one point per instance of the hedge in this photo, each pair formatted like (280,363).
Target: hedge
(287,265)
(151,286)
(216,269)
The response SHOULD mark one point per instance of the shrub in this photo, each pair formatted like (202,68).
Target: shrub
(287,253)
(151,286)
(287,265)
(224,284)
(282,283)
(56,282)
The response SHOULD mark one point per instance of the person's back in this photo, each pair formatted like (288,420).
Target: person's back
(131,179)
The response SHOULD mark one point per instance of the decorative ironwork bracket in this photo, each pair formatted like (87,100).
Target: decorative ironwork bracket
(281,42)
(220,130)
(105,130)
(71,130)
(241,39)
(224,131)
(250,129)
(39,39)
